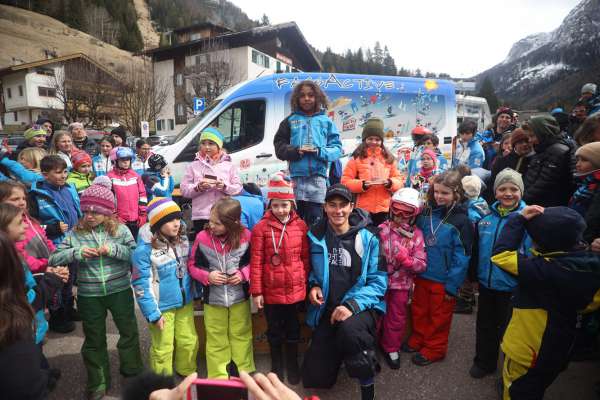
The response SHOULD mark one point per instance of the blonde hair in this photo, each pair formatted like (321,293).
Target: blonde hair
(33,155)
(111,225)
(53,150)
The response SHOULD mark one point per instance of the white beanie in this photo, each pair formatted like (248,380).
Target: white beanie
(472,186)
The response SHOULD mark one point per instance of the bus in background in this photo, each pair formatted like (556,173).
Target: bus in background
(474,108)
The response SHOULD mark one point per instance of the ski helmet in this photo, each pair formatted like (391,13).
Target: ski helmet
(420,130)
(156,162)
(406,197)
(121,152)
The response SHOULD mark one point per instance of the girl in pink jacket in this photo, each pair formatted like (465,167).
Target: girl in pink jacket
(35,248)
(404,249)
(129,190)
(211,176)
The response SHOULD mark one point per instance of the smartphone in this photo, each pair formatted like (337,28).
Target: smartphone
(217,389)
(210,177)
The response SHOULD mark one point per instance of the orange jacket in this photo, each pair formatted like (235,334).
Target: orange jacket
(376,198)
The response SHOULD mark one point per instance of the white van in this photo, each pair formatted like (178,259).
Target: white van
(249,115)
(475,108)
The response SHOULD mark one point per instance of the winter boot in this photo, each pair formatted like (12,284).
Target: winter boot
(367,392)
(291,363)
(392,359)
(463,306)
(60,321)
(277,361)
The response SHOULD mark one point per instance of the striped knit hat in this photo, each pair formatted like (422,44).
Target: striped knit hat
(212,134)
(99,197)
(162,210)
(280,188)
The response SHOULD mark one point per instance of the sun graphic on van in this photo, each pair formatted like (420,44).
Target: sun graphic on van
(430,84)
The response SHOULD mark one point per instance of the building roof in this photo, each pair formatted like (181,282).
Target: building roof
(289,30)
(49,61)
(201,25)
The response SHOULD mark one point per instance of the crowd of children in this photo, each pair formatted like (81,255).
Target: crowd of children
(391,242)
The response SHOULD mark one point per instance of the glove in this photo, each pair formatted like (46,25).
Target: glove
(402,256)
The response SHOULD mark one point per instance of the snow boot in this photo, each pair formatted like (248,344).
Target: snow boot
(291,363)
(367,392)
(277,361)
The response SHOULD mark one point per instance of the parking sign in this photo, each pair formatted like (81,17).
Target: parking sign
(145,128)
(199,105)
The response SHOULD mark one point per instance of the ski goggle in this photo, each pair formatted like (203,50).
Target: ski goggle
(402,210)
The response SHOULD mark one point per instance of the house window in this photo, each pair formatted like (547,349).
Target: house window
(46,91)
(287,68)
(171,124)
(159,124)
(9,93)
(20,90)
(242,125)
(180,110)
(15,116)
(179,79)
(261,59)
(200,59)
(279,66)
(195,36)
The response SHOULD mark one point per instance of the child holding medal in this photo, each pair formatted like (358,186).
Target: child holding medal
(448,240)
(220,260)
(163,288)
(371,174)
(103,247)
(279,266)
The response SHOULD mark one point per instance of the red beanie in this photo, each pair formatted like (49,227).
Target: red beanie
(79,158)
(280,188)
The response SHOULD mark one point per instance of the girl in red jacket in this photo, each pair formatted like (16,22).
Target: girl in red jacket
(278,272)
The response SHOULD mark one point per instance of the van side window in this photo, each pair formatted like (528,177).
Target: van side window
(242,125)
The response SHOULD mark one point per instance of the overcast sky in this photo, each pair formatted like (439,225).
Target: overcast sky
(459,37)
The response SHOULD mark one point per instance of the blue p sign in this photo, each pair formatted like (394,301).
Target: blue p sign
(199,104)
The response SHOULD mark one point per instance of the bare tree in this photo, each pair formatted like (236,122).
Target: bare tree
(101,25)
(141,97)
(210,74)
(86,92)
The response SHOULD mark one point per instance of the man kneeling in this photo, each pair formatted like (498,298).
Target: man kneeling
(347,287)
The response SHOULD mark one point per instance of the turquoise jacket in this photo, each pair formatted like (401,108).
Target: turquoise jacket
(368,291)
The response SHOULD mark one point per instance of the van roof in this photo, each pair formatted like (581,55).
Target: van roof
(342,82)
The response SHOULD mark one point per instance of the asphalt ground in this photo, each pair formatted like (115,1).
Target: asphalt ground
(446,380)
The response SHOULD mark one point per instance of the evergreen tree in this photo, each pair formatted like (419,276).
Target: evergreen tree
(489,93)
(264,21)
(389,65)
(378,54)
(418,73)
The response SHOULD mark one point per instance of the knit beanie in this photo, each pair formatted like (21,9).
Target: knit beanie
(589,88)
(373,127)
(99,197)
(590,152)
(518,135)
(431,154)
(74,125)
(212,134)
(33,132)
(471,185)
(280,188)
(508,175)
(556,229)
(162,210)
(504,110)
(79,158)
(120,131)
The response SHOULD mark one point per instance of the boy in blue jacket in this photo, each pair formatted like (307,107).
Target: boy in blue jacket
(55,203)
(468,149)
(310,142)
(347,284)
(157,178)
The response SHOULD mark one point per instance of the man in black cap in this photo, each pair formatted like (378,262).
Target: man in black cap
(347,285)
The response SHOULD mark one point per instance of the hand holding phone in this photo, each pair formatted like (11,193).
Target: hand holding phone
(222,389)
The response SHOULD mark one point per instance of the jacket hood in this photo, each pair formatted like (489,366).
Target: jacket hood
(358,220)
(545,128)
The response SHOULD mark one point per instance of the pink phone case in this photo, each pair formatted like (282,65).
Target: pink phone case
(222,389)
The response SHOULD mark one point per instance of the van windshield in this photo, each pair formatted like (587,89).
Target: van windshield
(192,123)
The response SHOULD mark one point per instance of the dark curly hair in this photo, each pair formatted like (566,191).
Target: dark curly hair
(321,100)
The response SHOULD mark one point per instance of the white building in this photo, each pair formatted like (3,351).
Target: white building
(29,91)
(246,55)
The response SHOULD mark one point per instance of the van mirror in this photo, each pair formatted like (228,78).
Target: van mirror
(242,125)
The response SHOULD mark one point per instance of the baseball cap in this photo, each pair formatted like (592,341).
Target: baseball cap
(338,190)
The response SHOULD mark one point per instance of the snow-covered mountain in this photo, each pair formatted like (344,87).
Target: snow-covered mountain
(547,68)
